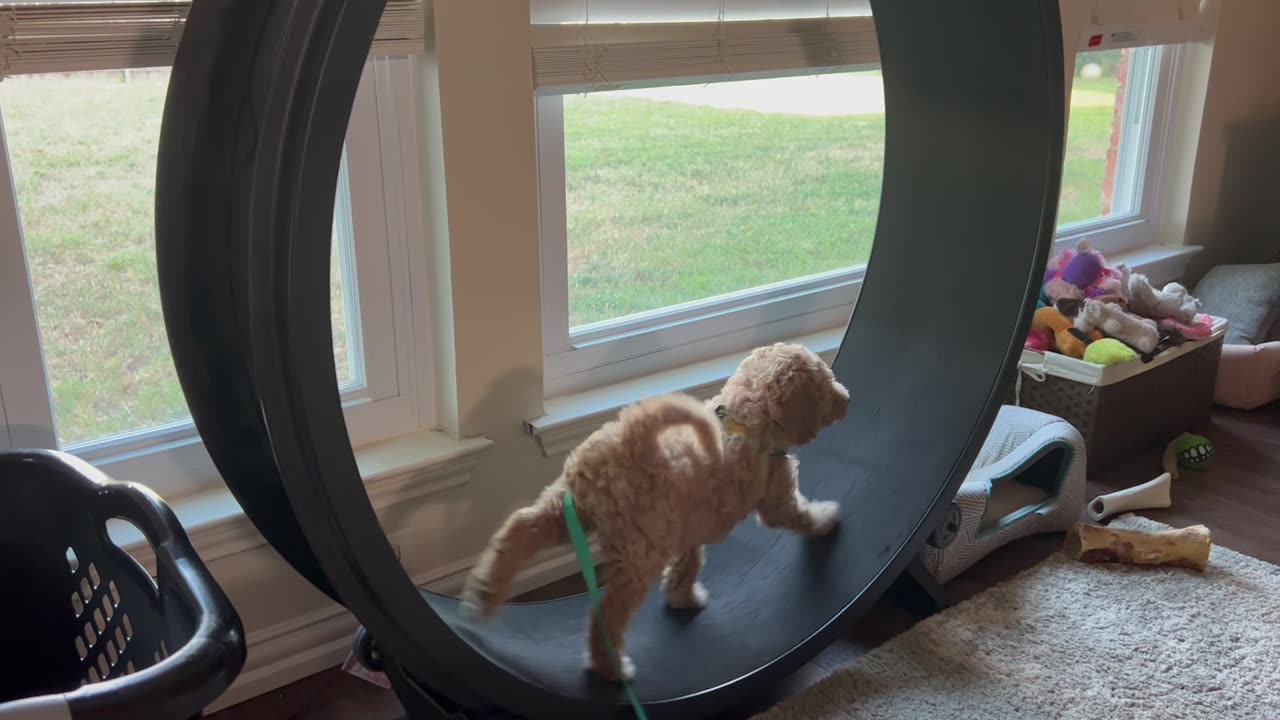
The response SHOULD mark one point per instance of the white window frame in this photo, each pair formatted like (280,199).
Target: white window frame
(582,358)
(614,350)
(1139,169)
(389,336)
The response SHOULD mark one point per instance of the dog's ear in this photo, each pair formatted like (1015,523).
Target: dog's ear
(796,397)
(803,395)
(837,401)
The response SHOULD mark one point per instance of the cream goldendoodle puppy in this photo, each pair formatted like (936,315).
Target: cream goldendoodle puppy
(670,475)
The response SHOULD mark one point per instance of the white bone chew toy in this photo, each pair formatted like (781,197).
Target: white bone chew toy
(1150,494)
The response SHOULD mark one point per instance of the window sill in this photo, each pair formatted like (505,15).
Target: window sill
(395,471)
(1160,263)
(570,418)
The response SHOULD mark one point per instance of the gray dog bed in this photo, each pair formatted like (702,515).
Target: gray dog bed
(1028,478)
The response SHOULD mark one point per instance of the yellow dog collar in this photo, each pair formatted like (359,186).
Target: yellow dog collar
(735,427)
(731,425)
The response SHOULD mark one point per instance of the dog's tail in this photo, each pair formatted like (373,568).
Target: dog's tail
(644,421)
(526,532)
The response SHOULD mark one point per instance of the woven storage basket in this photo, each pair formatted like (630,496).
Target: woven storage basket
(1124,410)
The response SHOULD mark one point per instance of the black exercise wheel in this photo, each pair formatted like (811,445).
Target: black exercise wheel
(974,97)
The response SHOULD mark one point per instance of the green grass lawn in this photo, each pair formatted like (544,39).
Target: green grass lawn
(667,203)
(670,202)
(83,151)
(1088,137)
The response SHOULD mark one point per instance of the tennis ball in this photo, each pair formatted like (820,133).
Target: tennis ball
(1194,451)
(1108,352)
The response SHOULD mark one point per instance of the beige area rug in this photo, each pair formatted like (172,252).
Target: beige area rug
(1066,639)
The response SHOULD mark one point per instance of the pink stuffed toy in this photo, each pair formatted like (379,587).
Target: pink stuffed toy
(1198,330)
(1082,274)
(1039,339)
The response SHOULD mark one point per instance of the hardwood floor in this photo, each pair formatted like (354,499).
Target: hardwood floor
(1237,497)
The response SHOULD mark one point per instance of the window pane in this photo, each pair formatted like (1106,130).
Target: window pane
(338,308)
(678,194)
(83,150)
(1095,173)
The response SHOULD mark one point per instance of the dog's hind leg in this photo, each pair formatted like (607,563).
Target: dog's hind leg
(784,507)
(680,583)
(630,575)
(526,532)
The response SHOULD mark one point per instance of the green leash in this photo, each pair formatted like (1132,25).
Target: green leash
(579,538)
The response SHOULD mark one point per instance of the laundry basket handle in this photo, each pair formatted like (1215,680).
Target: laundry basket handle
(181,684)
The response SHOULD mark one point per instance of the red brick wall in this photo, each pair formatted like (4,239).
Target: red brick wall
(1109,174)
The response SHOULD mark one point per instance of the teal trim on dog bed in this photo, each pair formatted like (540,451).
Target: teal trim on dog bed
(1039,471)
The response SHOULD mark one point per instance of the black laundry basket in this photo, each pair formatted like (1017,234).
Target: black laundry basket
(87,632)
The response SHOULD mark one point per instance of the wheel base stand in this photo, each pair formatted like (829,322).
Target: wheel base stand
(419,702)
(918,592)
(916,589)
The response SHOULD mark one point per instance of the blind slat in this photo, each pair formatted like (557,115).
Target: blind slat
(75,36)
(667,11)
(591,56)
(572,58)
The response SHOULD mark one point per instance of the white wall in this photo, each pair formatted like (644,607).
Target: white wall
(1234,204)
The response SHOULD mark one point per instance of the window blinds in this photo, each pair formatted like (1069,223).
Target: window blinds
(75,35)
(652,11)
(574,58)
(585,45)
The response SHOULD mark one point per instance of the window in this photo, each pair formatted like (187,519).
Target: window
(85,194)
(82,152)
(701,212)
(688,211)
(1113,138)
(664,184)
(704,210)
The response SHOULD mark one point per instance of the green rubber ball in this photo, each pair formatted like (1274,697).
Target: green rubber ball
(1194,451)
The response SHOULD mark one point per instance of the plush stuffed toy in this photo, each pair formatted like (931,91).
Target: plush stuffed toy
(1137,332)
(1066,340)
(1173,302)
(1108,352)
(1039,339)
(1198,330)
(1083,273)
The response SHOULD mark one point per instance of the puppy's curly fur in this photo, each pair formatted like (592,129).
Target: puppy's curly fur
(667,477)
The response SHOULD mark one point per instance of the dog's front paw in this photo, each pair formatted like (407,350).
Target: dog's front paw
(477,601)
(693,597)
(825,516)
(605,668)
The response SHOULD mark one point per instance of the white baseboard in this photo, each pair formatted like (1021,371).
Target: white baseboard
(291,650)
